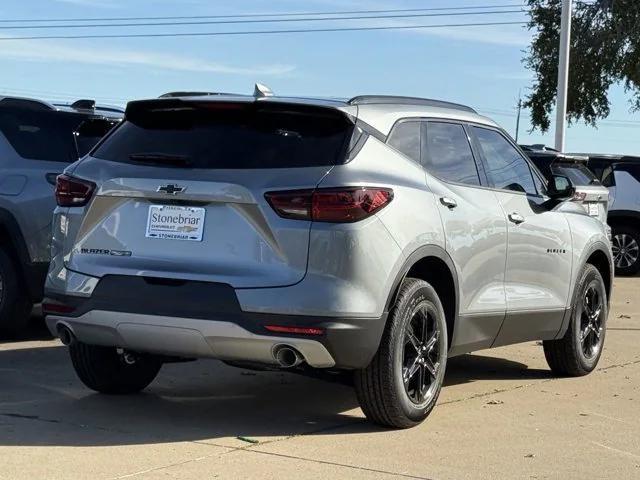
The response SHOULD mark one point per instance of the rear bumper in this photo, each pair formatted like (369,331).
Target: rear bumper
(185,337)
(202,319)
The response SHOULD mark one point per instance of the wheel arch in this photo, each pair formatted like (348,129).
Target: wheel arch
(12,240)
(599,256)
(11,237)
(624,217)
(432,264)
(599,259)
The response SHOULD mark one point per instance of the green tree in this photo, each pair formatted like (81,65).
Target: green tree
(605,51)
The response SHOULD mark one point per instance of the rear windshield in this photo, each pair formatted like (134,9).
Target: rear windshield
(577,173)
(40,135)
(90,132)
(229,135)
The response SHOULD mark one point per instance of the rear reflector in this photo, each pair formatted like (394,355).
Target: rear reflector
(335,205)
(73,192)
(296,330)
(53,308)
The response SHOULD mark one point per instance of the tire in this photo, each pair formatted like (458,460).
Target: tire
(105,370)
(380,386)
(625,243)
(570,355)
(15,305)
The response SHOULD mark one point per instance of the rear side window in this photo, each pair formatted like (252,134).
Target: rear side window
(235,136)
(40,135)
(578,174)
(447,153)
(405,137)
(507,169)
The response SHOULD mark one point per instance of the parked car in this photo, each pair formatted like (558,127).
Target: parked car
(590,193)
(377,235)
(37,140)
(621,174)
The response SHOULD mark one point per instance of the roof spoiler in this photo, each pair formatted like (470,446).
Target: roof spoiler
(571,158)
(27,103)
(84,104)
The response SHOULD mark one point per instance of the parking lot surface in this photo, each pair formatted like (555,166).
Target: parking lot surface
(501,414)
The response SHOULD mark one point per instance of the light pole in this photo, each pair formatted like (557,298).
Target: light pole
(563,73)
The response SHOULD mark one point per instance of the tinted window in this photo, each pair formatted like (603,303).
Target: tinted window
(447,153)
(508,170)
(237,136)
(632,169)
(40,135)
(578,174)
(90,132)
(405,137)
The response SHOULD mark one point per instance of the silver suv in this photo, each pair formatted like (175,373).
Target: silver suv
(37,140)
(378,235)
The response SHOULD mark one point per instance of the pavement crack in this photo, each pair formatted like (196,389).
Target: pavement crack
(338,464)
(38,418)
(163,467)
(617,450)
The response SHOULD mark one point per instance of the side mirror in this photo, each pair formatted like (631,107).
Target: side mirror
(560,187)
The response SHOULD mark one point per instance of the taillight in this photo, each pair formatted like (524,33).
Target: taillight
(73,192)
(579,196)
(335,205)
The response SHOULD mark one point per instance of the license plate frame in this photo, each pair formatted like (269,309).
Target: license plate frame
(175,222)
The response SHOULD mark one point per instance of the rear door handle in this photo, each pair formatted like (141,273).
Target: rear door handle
(516,218)
(448,202)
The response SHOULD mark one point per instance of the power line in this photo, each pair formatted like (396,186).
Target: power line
(288,20)
(260,32)
(248,15)
(609,122)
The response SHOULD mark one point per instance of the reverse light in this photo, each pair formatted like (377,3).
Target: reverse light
(334,205)
(295,330)
(73,192)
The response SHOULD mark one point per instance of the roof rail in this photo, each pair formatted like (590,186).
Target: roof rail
(27,103)
(392,99)
(107,108)
(192,94)
(84,104)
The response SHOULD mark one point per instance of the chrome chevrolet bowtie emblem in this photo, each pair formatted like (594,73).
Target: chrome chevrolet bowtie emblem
(171,189)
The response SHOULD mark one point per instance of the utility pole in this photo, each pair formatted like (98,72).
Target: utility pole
(563,74)
(518,117)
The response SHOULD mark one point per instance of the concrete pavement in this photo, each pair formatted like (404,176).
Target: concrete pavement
(500,415)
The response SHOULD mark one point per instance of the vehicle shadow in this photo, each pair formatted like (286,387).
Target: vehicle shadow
(36,330)
(42,403)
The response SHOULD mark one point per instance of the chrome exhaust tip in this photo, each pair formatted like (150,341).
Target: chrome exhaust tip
(287,356)
(65,334)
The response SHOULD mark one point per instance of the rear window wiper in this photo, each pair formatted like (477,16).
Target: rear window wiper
(161,158)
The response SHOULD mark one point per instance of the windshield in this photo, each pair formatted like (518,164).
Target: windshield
(577,173)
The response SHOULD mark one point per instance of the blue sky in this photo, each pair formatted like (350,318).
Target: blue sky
(478,66)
